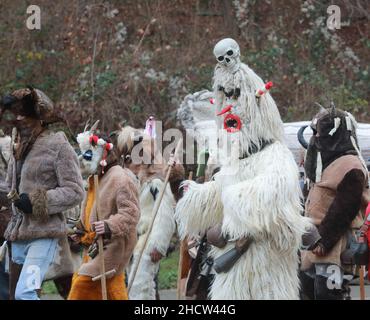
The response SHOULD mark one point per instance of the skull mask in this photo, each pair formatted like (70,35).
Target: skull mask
(227,53)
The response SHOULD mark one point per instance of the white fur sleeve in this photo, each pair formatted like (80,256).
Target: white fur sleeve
(164,225)
(265,207)
(199,208)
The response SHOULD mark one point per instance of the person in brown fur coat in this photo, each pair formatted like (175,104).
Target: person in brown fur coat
(45,172)
(118,216)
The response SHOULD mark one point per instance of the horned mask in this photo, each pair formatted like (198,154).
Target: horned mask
(94,150)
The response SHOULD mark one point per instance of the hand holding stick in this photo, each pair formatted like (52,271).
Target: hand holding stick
(103,278)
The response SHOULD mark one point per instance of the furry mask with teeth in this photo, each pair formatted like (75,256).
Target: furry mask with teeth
(244,106)
(94,151)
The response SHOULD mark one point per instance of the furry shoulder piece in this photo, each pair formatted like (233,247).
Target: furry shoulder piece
(53,140)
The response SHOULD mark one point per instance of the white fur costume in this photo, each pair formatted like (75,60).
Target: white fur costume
(164,227)
(151,181)
(257,195)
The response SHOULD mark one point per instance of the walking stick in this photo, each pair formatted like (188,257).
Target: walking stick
(154,215)
(14,269)
(362,283)
(13,194)
(183,251)
(103,278)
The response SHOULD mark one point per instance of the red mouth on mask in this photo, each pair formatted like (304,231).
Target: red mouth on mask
(232,122)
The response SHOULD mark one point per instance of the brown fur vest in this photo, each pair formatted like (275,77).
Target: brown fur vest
(327,198)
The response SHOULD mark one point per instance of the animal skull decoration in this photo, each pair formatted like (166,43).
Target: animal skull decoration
(227,53)
(94,150)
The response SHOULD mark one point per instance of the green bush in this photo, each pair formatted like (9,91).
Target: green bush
(167,278)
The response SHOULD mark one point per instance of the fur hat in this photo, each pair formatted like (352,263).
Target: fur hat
(334,136)
(30,102)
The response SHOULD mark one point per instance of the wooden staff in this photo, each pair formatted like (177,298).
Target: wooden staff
(13,194)
(154,215)
(103,278)
(183,252)
(362,282)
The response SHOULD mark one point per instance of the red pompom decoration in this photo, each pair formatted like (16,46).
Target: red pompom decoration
(94,140)
(108,146)
(269,85)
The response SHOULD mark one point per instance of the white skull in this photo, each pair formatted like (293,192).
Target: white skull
(227,52)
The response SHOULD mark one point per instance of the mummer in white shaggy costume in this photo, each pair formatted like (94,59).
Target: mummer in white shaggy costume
(252,205)
(151,177)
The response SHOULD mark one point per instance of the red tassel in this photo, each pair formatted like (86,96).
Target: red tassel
(225,110)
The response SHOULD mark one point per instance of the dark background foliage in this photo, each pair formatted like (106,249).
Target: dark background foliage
(125,60)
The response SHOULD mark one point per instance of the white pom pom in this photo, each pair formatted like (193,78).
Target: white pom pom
(103,163)
(101,142)
(79,138)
